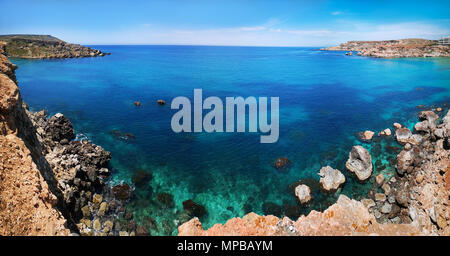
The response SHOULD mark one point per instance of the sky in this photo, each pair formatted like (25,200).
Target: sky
(226,22)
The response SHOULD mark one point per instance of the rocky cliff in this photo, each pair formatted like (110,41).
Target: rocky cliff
(27,187)
(414,202)
(51,183)
(43,47)
(395,48)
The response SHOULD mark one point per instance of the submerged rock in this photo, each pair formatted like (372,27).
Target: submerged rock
(303,193)
(141,177)
(122,191)
(166,199)
(194,208)
(360,163)
(270,208)
(330,179)
(282,163)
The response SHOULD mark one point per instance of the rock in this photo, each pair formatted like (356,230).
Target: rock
(402,135)
(59,128)
(386,132)
(395,211)
(367,135)
(86,211)
(430,116)
(397,126)
(419,178)
(109,224)
(415,139)
(368,203)
(379,179)
(405,159)
(270,208)
(386,208)
(408,146)
(359,162)
(386,188)
(137,103)
(282,163)
(194,208)
(122,191)
(330,179)
(423,126)
(346,217)
(166,199)
(123,233)
(97,199)
(303,193)
(402,197)
(102,209)
(142,231)
(161,102)
(97,225)
(86,222)
(380,197)
(141,178)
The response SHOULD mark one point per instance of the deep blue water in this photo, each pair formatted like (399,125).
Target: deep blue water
(325,99)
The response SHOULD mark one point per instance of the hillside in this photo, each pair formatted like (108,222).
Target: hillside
(44,47)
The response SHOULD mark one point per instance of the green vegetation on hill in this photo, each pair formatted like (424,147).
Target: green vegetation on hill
(45,46)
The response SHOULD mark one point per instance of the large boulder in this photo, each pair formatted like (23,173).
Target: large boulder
(360,163)
(402,135)
(405,161)
(330,179)
(366,136)
(303,193)
(60,128)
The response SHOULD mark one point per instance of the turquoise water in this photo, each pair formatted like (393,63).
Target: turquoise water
(325,99)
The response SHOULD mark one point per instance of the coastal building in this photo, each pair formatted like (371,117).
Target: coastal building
(444,41)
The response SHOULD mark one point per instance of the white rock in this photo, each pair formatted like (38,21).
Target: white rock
(303,193)
(331,179)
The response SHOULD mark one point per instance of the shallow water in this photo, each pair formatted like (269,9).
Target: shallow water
(325,99)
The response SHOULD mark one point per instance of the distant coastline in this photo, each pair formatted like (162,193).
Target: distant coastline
(403,48)
(45,47)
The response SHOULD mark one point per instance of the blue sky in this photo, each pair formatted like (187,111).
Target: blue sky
(231,22)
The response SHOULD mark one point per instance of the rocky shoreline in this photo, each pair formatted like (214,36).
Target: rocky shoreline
(413,202)
(50,183)
(404,48)
(45,47)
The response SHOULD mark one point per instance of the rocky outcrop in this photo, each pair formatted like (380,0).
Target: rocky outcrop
(330,179)
(303,193)
(359,162)
(395,48)
(345,217)
(44,47)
